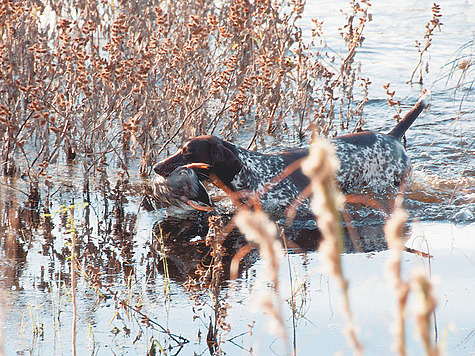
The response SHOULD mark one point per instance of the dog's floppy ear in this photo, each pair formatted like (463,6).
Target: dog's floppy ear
(225,163)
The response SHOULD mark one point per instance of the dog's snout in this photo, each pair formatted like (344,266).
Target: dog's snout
(159,168)
(168,165)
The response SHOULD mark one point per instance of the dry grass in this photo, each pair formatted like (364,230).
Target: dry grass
(426,304)
(321,167)
(394,232)
(422,49)
(257,228)
(109,81)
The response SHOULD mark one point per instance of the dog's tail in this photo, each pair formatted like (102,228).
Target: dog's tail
(400,129)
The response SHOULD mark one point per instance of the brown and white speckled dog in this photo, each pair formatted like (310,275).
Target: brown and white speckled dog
(369,162)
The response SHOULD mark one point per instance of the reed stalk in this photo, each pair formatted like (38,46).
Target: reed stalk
(321,167)
(431,26)
(394,231)
(73,276)
(426,304)
(257,228)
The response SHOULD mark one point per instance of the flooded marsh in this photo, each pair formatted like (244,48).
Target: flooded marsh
(95,93)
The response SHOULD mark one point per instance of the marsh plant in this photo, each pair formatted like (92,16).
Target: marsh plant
(321,167)
(422,47)
(257,228)
(106,81)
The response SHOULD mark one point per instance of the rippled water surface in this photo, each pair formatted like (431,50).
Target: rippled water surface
(127,304)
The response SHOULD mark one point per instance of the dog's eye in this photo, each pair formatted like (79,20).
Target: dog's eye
(186,151)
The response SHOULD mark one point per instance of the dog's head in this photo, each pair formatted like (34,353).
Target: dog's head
(221,156)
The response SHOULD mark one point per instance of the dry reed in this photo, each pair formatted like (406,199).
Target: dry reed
(431,26)
(257,228)
(119,81)
(73,276)
(321,167)
(394,232)
(425,307)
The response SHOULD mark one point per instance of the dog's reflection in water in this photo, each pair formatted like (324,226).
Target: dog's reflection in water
(183,241)
(186,244)
(185,236)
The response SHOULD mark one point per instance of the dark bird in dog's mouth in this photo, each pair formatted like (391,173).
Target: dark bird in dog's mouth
(182,191)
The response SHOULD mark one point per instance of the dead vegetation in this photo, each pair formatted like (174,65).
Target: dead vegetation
(102,82)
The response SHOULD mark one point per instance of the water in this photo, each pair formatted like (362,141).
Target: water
(117,239)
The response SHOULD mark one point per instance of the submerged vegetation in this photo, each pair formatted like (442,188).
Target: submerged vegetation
(94,92)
